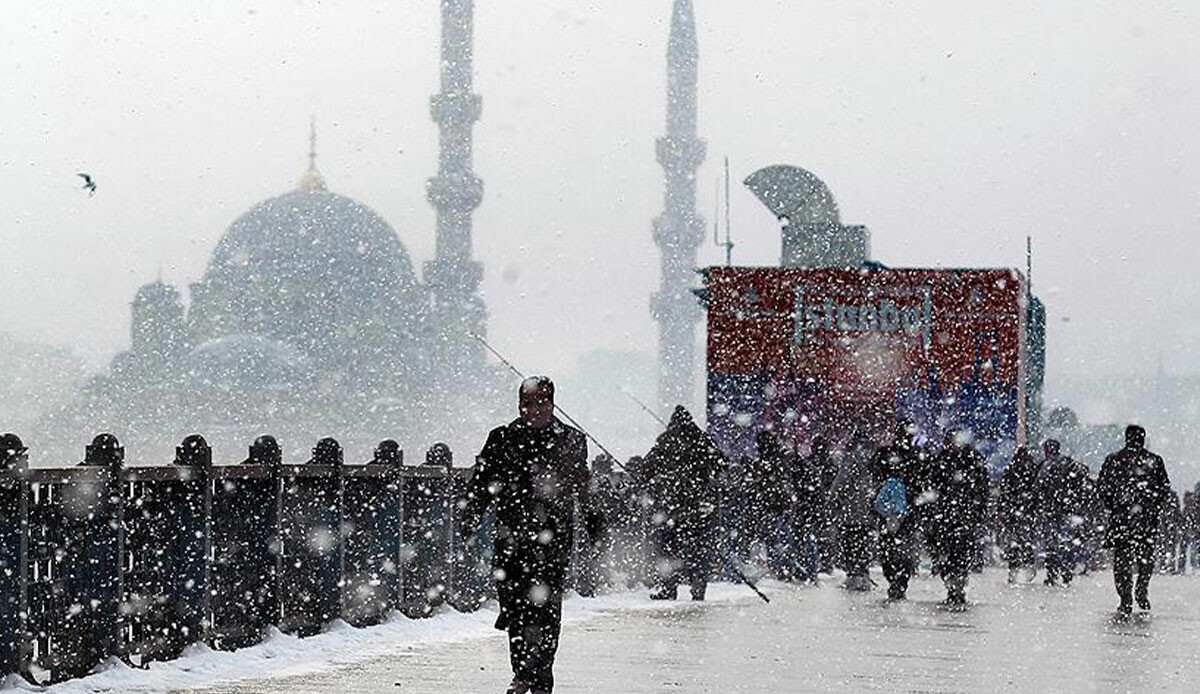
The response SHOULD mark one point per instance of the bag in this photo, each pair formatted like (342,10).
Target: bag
(891,501)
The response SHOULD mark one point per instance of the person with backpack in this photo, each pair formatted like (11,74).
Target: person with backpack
(957,488)
(896,469)
(1134,486)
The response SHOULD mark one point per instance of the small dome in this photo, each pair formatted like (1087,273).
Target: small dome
(249,362)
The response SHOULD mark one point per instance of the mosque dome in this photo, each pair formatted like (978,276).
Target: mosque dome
(310,268)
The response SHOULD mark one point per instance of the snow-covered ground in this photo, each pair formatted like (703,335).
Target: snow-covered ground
(1027,638)
(284,656)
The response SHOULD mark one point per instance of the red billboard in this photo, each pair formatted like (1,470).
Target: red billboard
(809,352)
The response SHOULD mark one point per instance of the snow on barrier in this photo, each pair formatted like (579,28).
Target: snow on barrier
(102,560)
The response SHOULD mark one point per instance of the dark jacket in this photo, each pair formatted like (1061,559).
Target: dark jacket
(680,469)
(1063,487)
(535,477)
(956,486)
(1019,492)
(1133,485)
(812,479)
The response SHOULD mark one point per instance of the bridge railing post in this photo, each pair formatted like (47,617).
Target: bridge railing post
(245,547)
(14,521)
(308,584)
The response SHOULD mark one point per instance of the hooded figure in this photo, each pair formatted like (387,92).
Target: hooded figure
(1134,486)
(679,470)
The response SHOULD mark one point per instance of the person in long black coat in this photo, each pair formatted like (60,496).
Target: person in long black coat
(534,470)
(680,468)
(956,484)
(1134,486)
(1063,485)
(1019,498)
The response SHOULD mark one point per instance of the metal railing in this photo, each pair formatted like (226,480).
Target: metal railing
(103,560)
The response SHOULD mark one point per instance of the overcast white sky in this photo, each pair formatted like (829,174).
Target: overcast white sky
(951,128)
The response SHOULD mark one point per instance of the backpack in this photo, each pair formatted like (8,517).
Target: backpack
(891,501)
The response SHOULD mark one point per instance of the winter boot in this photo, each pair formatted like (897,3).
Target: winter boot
(518,686)
(665,594)
(698,591)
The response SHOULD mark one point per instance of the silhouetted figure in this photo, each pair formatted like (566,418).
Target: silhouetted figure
(957,486)
(850,504)
(681,466)
(780,512)
(813,476)
(1170,535)
(1134,486)
(1019,517)
(1191,532)
(897,467)
(1063,486)
(534,470)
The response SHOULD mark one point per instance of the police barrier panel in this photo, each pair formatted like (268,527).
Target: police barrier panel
(13,520)
(139,562)
(164,578)
(73,575)
(311,543)
(371,528)
(245,553)
(425,553)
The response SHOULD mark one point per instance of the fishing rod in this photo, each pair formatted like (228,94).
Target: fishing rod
(645,407)
(561,411)
(750,584)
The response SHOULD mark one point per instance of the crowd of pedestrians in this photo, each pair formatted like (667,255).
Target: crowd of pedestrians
(684,514)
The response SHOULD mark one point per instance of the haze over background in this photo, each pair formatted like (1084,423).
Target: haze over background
(951,129)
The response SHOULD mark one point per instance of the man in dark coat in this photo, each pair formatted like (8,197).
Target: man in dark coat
(1133,484)
(903,461)
(680,469)
(957,486)
(1019,498)
(1063,487)
(813,479)
(534,470)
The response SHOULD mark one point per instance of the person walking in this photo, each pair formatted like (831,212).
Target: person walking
(957,486)
(897,471)
(534,470)
(1062,485)
(1019,516)
(681,466)
(850,501)
(1134,486)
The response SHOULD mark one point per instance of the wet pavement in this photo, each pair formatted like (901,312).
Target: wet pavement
(1026,638)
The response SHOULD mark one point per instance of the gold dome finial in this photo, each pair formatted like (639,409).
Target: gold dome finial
(312,180)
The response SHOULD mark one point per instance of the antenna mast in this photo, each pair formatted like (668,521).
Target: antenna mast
(728,239)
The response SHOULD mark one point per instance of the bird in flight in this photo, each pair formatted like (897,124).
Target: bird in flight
(88,184)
